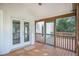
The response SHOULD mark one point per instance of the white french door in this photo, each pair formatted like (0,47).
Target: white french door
(20,32)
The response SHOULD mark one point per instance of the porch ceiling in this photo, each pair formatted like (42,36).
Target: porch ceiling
(40,11)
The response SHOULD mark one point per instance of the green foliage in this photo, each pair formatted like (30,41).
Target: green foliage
(65,24)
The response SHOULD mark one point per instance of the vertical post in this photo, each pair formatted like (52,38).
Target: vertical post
(54,33)
(45,31)
(77,27)
(65,43)
(72,42)
(35,31)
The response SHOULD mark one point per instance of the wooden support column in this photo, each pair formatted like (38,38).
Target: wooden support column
(77,27)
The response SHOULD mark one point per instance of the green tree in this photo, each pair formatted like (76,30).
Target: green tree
(65,24)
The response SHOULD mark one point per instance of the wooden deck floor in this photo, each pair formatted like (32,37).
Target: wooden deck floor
(40,49)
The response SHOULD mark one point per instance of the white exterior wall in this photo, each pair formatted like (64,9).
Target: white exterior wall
(10,14)
(1,33)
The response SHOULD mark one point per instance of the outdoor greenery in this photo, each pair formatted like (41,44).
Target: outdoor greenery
(65,24)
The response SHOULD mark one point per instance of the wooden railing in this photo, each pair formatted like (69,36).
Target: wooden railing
(64,40)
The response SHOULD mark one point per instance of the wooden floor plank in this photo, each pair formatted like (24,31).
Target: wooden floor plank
(40,49)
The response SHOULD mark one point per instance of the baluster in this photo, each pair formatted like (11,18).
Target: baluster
(63,42)
(67,42)
(55,40)
(72,43)
(60,41)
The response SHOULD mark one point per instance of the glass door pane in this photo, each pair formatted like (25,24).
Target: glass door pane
(16,32)
(26,31)
(50,33)
(40,31)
